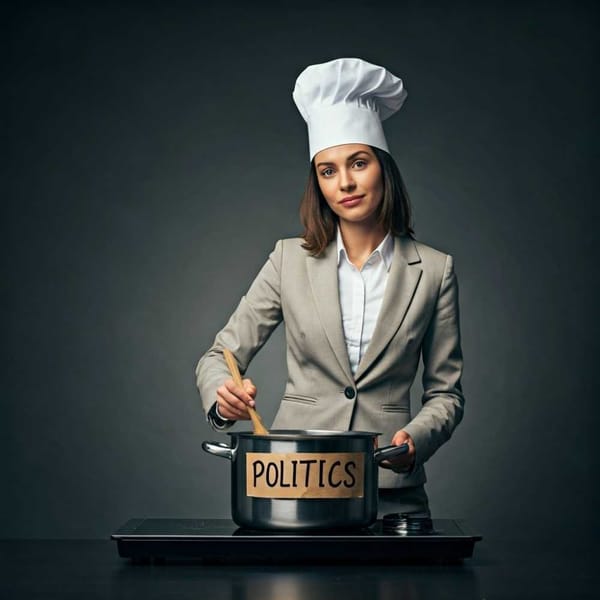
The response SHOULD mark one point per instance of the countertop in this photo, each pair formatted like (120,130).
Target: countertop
(500,568)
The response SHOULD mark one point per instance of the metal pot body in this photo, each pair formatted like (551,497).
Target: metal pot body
(284,461)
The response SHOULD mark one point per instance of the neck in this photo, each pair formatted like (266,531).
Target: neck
(360,240)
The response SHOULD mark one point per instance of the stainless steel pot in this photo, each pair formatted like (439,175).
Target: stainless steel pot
(304,479)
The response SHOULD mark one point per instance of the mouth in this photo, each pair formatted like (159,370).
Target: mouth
(351,200)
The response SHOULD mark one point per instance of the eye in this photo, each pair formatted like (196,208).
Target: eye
(324,171)
(360,162)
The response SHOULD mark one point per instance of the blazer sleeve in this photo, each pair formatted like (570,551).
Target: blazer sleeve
(249,327)
(443,400)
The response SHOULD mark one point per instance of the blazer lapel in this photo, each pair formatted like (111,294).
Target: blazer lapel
(323,278)
(402,282)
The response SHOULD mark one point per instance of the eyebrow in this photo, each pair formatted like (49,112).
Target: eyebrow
(349,158)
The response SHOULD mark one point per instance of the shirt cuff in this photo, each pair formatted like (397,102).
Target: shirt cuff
(216,420)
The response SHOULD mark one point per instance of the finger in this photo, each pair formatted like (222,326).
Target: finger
(231,402)
(229,412)
(229,409)
(250,387)
(399,438)
(239,392)
(402,437)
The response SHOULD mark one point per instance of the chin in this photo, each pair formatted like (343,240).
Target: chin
(358,218)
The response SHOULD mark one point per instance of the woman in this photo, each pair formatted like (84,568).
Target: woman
(361,299)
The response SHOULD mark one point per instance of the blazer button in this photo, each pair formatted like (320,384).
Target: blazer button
(349,393)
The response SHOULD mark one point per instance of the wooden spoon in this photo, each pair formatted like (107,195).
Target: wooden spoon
(259,428)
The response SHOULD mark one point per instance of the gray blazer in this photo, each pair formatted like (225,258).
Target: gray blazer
(419,316)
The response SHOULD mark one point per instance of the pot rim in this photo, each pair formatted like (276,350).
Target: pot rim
(304,434)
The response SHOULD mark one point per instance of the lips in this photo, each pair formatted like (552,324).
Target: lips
(351,200)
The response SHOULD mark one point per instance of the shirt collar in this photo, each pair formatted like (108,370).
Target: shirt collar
(385,249)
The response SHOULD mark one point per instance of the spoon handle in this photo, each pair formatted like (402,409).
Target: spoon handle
(257,423)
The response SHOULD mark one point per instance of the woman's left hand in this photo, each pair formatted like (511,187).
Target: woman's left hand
(404,461)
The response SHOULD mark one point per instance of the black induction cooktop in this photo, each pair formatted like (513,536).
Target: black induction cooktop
(395,538)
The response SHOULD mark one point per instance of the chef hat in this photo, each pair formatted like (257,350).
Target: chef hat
(343,101)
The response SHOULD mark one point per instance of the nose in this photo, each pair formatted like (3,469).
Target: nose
(346,181)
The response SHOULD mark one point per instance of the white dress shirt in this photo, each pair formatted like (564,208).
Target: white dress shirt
(361,294)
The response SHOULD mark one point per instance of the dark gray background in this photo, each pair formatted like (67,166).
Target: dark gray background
(154,156)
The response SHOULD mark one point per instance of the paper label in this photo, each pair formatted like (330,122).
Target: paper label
(305,475)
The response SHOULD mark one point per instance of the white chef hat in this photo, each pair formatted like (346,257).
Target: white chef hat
(343,101)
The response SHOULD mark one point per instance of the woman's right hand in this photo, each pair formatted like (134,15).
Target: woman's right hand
(233,401)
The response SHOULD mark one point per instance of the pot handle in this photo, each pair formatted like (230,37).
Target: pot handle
(219,449)
(389,452)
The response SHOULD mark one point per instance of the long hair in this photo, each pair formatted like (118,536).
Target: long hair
(320,222)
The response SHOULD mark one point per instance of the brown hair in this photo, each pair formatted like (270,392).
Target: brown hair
(320,222)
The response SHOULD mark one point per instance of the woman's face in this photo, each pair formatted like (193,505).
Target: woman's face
(351,181)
